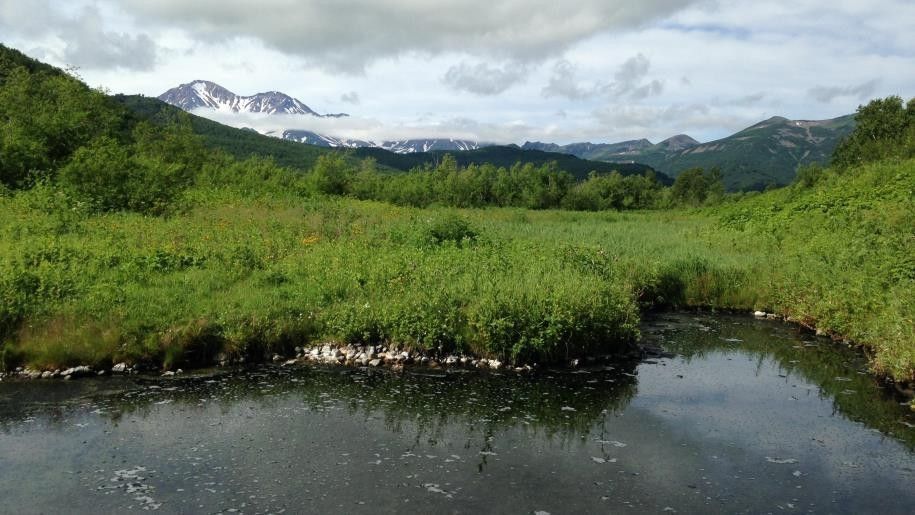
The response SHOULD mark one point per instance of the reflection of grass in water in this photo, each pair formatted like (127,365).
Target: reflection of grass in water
(424,403)
(839,372)
(475,401)
(427,404)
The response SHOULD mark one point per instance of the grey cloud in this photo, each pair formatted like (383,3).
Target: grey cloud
(90,45)
(633,70)
(628,82)
(483,79)
(651,89)
(350,36)
(564,83)
(749,100)
(350,98)
(87,43)
(827,94)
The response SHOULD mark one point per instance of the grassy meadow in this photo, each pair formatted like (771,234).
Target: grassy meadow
(250,274)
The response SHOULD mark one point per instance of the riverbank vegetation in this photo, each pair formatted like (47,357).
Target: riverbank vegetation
(130,239)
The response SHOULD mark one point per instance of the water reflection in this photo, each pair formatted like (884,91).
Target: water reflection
(554,402)
(839,373)
(749,416)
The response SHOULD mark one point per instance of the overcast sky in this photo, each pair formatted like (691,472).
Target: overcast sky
(500,71)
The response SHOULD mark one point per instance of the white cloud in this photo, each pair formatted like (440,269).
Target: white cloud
(372,129)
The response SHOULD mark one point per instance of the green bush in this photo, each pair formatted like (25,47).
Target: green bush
(111,177)
(450,228)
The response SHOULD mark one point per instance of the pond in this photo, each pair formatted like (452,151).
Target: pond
(741,415)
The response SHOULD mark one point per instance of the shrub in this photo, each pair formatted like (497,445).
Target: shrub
(113,177)
(451,228)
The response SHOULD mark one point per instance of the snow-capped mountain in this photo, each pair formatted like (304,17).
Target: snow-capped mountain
(206,94)
(202,94)
(399,147)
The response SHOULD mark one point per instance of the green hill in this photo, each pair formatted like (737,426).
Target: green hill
(769,152)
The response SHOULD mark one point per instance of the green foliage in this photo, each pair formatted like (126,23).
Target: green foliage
(808,176)
(331,175)
(842,255)
(144,177)
(885,128)
(44,118)
(451,228)
(502,157)
(613,191)
(521,185)
(696,186)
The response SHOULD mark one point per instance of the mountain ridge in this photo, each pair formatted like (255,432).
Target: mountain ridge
(204,94)
(769,152)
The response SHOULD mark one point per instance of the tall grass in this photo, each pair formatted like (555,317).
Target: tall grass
(248,274)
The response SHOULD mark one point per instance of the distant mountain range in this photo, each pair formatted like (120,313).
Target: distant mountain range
(767,153)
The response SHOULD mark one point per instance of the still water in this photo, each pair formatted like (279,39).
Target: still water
(742,416)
